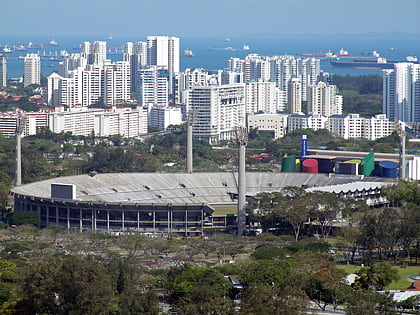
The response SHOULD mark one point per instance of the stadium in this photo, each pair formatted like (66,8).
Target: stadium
(186,204)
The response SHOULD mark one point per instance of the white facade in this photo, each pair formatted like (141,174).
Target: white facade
(153,86)
(163,51)
(308,70)
(276,123)
(414,168)
(377,127)
(9,122)
(354,126)
(314,121)
(322,99)
(121,121)
(82,121)
(32,69)
(294,96)
(261,96)
(232,77)
(401,92)
(71,89)
(117,78)
(3,70)
(279,68)
(136,55)
(163,116)
(53,89)
(95,52)
(72,62)
(218,110)
(92,85)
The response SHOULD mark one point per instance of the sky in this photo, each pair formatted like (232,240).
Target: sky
(199,18)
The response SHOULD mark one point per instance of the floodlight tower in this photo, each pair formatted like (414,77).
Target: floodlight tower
(400,129)
(19,130)
(242,139)
(190,121)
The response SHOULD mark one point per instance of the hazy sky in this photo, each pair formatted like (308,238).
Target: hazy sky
(206,18)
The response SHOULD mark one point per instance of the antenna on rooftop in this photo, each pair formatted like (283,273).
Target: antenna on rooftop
(242,140)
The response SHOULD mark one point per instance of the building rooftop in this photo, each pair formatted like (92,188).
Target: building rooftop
(179,188)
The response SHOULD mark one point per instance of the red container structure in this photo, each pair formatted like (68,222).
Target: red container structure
(310,166)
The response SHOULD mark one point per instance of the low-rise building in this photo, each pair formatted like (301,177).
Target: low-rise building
(276,123)
(301,121)
(354,126)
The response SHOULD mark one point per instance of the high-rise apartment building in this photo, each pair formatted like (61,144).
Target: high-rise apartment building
(261,96)
(323,99)
(163,51)
(53,89)
(3,70)
(217,111)
(153,86)
(117,78)
(32,70)
(92,85)
(136,55)
(401,92)
(294,96)
(95,52)
(71,63)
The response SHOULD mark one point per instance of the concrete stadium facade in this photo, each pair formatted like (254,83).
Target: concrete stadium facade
(154,203)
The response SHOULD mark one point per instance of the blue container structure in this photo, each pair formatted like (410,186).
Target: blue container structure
(389,169)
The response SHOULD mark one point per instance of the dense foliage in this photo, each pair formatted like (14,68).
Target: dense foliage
(361,94)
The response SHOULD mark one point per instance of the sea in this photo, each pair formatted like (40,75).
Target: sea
(211,53)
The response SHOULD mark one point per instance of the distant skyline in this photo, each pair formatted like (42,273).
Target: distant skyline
(192,18)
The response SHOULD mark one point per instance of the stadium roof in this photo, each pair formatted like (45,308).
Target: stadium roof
(179,188)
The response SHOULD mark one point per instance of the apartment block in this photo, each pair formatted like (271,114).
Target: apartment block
(217,110)
(272,122)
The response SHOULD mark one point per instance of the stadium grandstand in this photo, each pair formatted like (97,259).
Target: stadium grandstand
(156,203)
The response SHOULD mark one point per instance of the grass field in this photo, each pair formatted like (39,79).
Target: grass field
(404,273)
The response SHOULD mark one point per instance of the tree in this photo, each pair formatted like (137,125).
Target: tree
(23,217)
(7,280)
(197,286)
(266,272)
(409,229)
(5,185)
(369,302)
(134,302)
(66,284)
(267,299)
(294,208)
(324,209)
(267,252)
(327,286)
(378,275)
(403,192)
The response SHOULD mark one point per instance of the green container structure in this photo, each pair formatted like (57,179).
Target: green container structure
(368,164)
(288,164)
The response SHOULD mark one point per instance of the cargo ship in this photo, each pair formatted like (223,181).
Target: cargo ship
(368,61)
(188,53)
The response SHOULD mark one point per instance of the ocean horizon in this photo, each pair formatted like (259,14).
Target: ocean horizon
(211,53)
